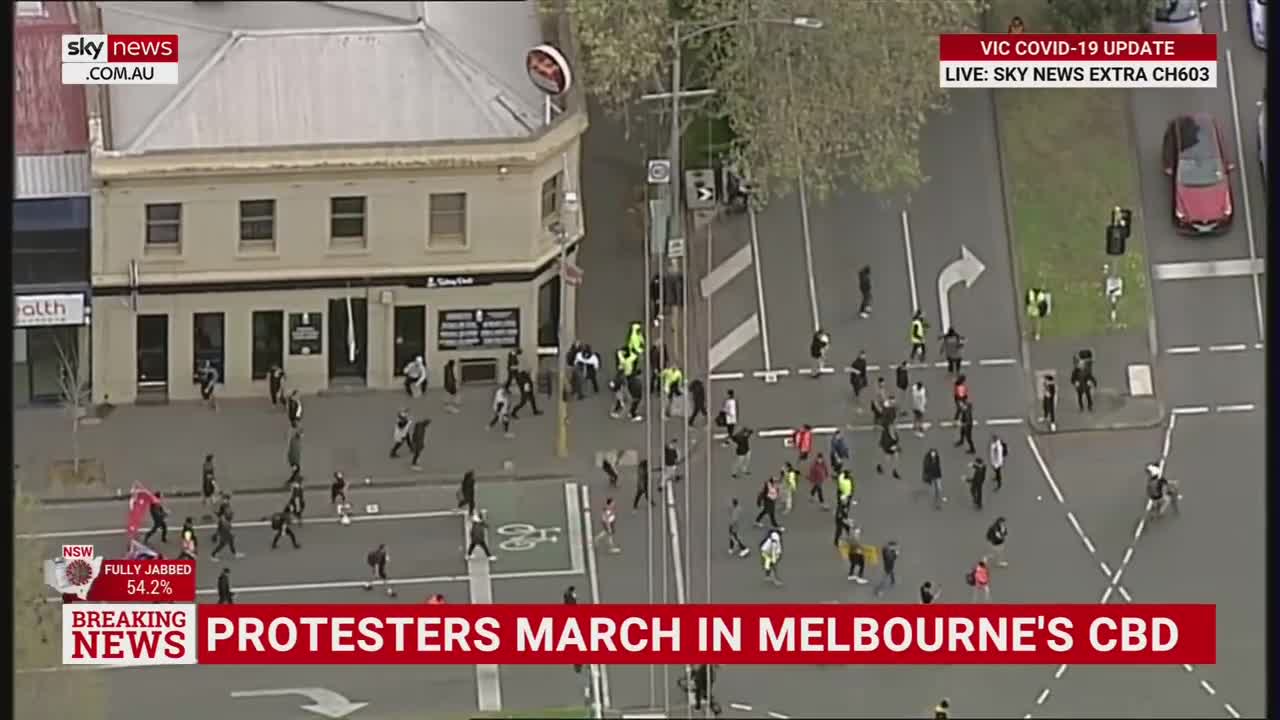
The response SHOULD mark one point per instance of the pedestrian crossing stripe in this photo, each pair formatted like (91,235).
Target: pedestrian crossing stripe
(372,509)
(772,375)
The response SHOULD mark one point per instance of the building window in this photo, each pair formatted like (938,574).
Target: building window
(347,221)
(551,198)
(257,224)
(268,342)
(448,222)
(164,227)
(209,341)
(549,313)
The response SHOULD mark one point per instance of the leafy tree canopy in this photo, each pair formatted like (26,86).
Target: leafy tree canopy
(846,101)
(1096,16)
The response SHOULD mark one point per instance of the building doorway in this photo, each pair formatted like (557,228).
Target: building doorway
(153,357)
(411,336)
(348,354)
(209,342)
(53,359)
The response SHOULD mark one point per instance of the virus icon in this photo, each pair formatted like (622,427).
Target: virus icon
(79,572)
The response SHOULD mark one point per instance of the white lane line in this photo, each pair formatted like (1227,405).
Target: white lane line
(1207,687)
(1088,544)
(677,565)
(389,517)
(769,373)
(1242,407)
(726,271)
(808,254)
(996,422)
(722,376)
(573,508)
(1044,470)
(1240,267)
(488,679)
(737,339)
(1233,347)
(1190,410)
(778,716)
(1106,569)
(755,264)
(1244,184)
(1230,710)
(1124,594)
(997,362)
(786,433)
(809,371)
(599,674)
(1044,695)
(1188,668)
(911,262)
(1061,669)
(1183,350)
(1258,346)
(1222,13)
(740,707)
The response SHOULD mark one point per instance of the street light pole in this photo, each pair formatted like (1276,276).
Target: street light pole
(569,206)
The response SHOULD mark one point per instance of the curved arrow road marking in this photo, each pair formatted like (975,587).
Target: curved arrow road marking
(324,702)
(966,270)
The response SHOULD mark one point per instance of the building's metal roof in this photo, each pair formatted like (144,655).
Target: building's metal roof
(51,176)
(355,73)
(49,117)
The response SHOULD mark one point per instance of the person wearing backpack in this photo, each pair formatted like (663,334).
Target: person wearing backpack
(997,535)
(998,452)
(979,578)
(282,523)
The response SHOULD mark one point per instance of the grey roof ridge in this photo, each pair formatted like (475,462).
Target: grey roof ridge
(436,44)
(163,18)
(474,66)
(184,92)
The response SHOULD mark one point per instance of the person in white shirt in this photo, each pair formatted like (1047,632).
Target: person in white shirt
(502,410)
(919,404)
(771,555)
(729,416)
(415,377)
(587,366)
(998,452)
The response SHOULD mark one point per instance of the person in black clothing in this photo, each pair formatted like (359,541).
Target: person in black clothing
(467,492)
(338,494)
(282,523)
(610,471)
(275,384)
(479,536)
(642,484)
(1083,381)
(297,503)
(377,561)
(966,427)
(208,484)
(1049,402)
(208,376)
(224,507)
(158,516)
(400,432)
(977,478)
(698,396)
(767,500)
(635,388)
(571,598)
(864,288)
(418,442)
(858,374)
(225,596)
(928,593)
(293,408)
(658,359)
(524,383)
(592,369)
(451,402)
(902,377)
(843,526)
(704,677)
(931,476)
(890,447)
(513,365)
(224,536)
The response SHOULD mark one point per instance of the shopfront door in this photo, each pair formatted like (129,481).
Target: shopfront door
(411,336)
(348,361)
(153,355)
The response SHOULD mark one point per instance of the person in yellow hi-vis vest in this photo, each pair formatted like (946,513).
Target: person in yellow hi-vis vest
(635,339)
(771,555)
(672,382)
(844,489)
(790,481)
(919,330)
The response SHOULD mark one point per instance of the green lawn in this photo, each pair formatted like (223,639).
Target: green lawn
(1070,159)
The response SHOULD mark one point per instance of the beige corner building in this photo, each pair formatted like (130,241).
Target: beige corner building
(332,187)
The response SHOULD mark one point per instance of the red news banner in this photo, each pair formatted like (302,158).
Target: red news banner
(644,634)
(1016,60)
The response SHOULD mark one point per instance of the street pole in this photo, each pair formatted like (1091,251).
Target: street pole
(568,207)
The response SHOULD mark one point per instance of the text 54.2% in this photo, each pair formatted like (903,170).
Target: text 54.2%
(150,588)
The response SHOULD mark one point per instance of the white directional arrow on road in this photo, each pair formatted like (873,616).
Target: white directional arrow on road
(966,270)
(324,702)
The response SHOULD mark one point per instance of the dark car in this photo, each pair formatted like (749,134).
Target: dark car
(1195,159)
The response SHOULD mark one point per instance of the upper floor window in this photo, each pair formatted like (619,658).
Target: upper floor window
(257,224)
(347,221)
(164,227)
(551,197)
(448,221)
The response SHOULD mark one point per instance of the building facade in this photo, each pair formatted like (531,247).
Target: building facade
(49,240)
(346,253)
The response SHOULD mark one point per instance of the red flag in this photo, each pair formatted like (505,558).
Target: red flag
(140,501)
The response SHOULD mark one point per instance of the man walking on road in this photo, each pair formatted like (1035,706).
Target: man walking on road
(698,397)
(790,481)
(418,442)
(817,478)
(642,485)
(1083,381)
(377,561)
(997,536)
(839,451)
(889,563)
(931,475)
(282,523)
(293,409)
(767,501)
(919,406)
(1049,403)
(890,448)
(864,289)
(728,417)
(919,333)
(208,483)
(479,534)
(524,383)
(275,384)
(977,478)
(966,427)
(400,432)
(953,349)
(742,453)
(608,526)
(225,537)
(225,596)
(467,492)
(570,597)
(997,452)
(736,546)
(858,377)
(670,464)
(902,377)
(771,556)
(818,351)
(159,517)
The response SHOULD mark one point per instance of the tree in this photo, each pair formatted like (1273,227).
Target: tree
(75,396)
(1100,16)
(846,101)
(41,688)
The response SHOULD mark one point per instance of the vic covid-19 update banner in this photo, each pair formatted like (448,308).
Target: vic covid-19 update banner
(978,634)
(1016,60)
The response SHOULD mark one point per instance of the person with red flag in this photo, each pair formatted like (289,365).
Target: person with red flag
(140,502)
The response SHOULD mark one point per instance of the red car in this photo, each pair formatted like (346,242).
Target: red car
(1195,158)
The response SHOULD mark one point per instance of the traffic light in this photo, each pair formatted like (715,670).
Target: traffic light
(1119,230)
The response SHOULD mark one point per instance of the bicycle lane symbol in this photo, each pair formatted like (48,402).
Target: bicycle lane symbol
(522,537)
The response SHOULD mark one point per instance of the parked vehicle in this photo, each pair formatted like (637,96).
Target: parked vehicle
(1178,16)
(1258,22)
(1195,159)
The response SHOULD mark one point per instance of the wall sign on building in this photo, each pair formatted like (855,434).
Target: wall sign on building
(306,333)
(479,329)
(454,281)
(50,310)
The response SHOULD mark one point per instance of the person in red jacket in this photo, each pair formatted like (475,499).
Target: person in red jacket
(817,478)
(802,439)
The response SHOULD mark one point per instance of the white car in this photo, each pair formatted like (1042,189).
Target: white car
(1258,22)
(1178,16)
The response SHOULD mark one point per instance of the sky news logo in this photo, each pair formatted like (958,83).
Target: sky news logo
(119,59)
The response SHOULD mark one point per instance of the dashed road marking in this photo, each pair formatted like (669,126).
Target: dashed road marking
(1183,350)
(1044,695)
(1233,347)
(831,429)
(722,376)
(778,716)
(998,362)
(1207,687)
(740,707)
(1230,710)
(1242,407)
(1191,410)
(731,375)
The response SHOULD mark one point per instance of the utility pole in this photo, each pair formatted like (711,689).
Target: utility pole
(569,206)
